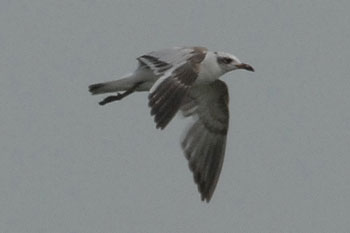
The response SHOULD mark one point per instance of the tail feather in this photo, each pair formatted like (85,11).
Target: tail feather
(97,88)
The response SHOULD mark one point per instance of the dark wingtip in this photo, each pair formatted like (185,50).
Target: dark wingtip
(206,197)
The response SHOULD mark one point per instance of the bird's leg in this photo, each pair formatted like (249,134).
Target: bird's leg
(119,96)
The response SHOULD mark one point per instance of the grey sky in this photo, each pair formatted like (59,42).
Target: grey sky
(69,165)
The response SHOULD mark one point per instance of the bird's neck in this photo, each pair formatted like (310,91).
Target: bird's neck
(209,69)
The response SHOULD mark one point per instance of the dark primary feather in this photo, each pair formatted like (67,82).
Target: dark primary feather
(155,64)
(169,93)
(167,98)
(205,141)
(162,60)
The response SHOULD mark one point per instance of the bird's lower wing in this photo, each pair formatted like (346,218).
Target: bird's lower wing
(205,141)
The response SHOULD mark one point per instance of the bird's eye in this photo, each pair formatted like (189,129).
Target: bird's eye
(227,60)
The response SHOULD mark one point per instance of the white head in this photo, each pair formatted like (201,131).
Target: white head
(229,62)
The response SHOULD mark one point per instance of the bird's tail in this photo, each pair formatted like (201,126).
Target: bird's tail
(125,83)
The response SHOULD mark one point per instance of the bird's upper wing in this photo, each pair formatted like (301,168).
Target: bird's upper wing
(162,60)
(205,141)
(168,92)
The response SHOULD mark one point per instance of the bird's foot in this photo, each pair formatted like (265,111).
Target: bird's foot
(112,98)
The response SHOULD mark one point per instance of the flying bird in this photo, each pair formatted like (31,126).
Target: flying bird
(185,79)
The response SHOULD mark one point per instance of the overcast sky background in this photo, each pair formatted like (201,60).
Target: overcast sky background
(69,165)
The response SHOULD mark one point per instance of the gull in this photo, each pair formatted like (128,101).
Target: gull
(185,79)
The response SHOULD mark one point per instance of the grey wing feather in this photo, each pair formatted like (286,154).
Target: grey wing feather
(167,97)
(167,94)
(162,60)
(153,63)
(205,141)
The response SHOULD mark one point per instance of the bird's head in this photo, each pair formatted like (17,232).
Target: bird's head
(229,62)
